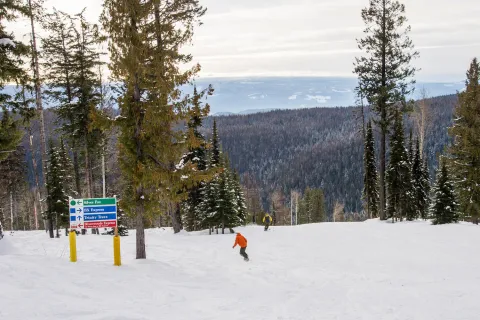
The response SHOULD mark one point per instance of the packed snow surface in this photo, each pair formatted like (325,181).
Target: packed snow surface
(345,271)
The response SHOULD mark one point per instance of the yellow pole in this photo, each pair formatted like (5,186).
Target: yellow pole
(117,260)
(73,245)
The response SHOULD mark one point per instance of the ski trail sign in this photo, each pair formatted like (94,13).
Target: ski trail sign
(93,213)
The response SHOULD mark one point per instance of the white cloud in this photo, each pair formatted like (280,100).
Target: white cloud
(319,99)
(293,97)
(341,91)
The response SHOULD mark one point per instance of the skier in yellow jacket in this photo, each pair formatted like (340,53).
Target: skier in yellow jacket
(267,220)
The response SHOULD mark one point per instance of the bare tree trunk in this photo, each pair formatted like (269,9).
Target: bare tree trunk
(140,227)
(176,219)
(11,210)
(36,193)
(104,193)
(76,169)
(382,176)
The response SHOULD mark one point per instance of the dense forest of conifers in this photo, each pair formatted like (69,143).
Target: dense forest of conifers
(317,148)
(287,150)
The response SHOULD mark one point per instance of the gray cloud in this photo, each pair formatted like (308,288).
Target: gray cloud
(316,37)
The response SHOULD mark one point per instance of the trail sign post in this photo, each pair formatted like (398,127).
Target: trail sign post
(93,213)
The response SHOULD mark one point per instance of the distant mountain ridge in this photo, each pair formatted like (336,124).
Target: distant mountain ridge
(261,94)
(252,95)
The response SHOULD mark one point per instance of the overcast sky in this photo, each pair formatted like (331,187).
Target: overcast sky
(317,37)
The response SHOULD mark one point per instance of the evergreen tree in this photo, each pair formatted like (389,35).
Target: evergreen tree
(144,51)
(215,152)
(426,187)
(465,151)
(398,174)
(12,54)
(67,168)
(57,199)
(226,210)
(206,211)
(411,151)
(370,189)
(444,206)
(311,208)
(421,184)
(384,71)
(13,176)
(411,207)
(241,206)
(85,61)
(197,155)
(222,201)
(58,60)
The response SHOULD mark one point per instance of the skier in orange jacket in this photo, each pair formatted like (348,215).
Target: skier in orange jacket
(242,242)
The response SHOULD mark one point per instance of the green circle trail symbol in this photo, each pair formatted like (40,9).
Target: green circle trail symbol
(73,202)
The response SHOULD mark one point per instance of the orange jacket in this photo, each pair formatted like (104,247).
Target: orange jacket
(241,241)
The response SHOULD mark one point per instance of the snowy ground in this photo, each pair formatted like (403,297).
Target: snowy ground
(345,271)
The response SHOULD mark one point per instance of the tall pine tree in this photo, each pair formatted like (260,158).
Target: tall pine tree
(465,151)
(398,174)
(444,206)
(58,59)
(370,189)
(145,39)
(57,198)
(384,72)
(197,155)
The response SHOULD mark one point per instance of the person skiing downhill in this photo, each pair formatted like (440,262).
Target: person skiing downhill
(242,242)
(267,219)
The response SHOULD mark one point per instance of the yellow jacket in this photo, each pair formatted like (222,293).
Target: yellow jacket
(267,215)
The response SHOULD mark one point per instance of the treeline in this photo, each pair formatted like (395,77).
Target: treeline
(409,194)
(321,148)
(265,176)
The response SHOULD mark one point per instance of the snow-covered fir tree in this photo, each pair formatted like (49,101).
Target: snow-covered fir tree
(427,187)
(222,203)
(444,208)
(370,188)
(241,206)
(465,151)
(57,198)
(226,208)
(197,155)
(399,184)
(421,183)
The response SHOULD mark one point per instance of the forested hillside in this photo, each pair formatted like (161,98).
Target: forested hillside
(286,150)
(318,148)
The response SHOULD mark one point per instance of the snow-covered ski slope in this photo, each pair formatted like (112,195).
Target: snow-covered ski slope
(345,271)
